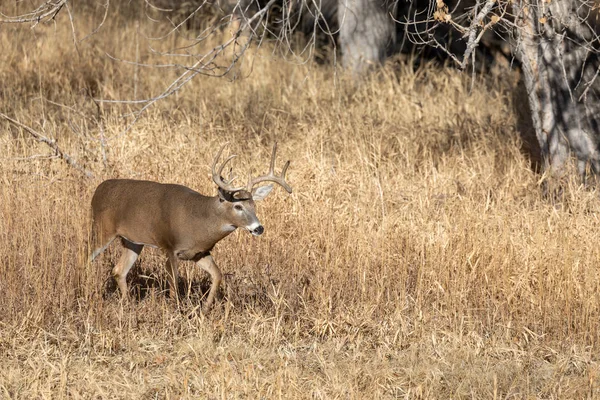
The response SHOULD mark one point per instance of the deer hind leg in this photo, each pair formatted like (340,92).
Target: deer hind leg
(208,264)
(131,251)
(173,274)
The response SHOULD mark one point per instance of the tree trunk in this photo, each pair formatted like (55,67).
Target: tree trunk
(366,33)
(559,65)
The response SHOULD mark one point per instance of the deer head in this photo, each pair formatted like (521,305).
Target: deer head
(237,203)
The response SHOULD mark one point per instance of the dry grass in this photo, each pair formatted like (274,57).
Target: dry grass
(415,259)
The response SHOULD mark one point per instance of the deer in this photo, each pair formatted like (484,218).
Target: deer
(185,224)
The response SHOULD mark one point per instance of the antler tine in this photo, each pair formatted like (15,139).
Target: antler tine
(273,154)
(285,167)
(231,157)
(270,176)
(216,175)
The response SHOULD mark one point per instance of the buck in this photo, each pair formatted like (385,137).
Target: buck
(180,221)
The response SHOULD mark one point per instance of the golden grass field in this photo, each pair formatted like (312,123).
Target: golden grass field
(417,257)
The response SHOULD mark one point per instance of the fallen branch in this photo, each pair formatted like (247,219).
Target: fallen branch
(51,143)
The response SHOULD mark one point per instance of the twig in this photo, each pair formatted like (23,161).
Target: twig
(45,12)
(52,144)
(474,38)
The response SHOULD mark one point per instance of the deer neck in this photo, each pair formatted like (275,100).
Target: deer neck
(219,224)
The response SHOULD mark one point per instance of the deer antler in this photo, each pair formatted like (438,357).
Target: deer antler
(269,177)
(216,175)
(280,180)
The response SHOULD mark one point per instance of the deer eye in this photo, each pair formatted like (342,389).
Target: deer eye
(238,207)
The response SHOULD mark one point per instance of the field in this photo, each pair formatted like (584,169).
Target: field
(417,257)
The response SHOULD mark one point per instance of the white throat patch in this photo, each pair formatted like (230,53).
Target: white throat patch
(228,228)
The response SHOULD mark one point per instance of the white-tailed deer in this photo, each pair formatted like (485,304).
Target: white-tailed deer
(182,222)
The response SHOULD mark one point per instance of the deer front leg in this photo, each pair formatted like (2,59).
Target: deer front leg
(208,264)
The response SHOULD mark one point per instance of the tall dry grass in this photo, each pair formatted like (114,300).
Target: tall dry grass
(415,259)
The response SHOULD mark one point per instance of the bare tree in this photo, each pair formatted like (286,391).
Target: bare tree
(367,32)
(556,45)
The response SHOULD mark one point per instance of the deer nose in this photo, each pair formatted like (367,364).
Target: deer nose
(258,230)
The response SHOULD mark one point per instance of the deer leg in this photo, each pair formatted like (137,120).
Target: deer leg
(173,274)
(131,251)
(208,264)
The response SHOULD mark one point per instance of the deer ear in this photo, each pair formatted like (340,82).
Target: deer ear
(261,192)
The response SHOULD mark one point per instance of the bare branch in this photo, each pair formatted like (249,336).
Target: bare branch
(97,28)
(50,143)
(43,13)
(205,65)
(474,38)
